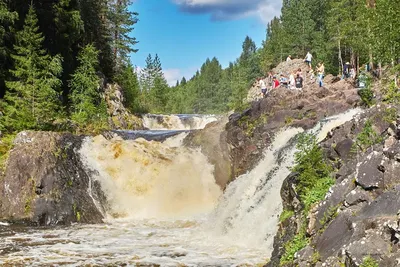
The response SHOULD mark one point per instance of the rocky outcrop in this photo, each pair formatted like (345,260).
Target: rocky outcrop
(46,183)
(212,140)
(359,217)
(249,132)
(119,116)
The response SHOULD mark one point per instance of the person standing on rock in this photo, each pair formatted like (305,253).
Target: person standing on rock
(275,83)
(308,59)
(292,80)
(289,58)
(321,72)
(263,87)
(299,82)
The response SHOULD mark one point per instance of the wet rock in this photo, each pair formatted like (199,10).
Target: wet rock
(213,143)
(46,183)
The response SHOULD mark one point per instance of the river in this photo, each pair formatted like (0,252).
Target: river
(165,207)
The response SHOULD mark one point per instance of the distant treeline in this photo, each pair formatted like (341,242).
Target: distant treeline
(334,31)
(52,56)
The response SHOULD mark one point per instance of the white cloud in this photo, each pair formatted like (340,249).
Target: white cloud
(232,9)
(173,75)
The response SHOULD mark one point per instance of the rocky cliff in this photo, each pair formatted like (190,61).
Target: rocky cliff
(119,116)
(46,183)
(249,132)
(358,221)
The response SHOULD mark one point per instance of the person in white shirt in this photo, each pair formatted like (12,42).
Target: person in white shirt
(289,58)
(292,81)
(263,86)
(308,59)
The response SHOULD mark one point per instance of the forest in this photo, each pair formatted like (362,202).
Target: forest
(55,53)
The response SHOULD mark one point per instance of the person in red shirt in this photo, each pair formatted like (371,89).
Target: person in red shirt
(275,83)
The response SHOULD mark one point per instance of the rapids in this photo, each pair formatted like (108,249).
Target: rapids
(165,208)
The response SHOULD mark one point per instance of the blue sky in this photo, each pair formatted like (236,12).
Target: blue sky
(184,33)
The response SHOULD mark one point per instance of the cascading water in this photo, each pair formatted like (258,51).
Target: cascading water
(166,209)
(177,122)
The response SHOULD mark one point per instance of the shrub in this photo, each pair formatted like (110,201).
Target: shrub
(286,214)
(369,262)
(6,144)
(368,137)
(310,166)
(291,247)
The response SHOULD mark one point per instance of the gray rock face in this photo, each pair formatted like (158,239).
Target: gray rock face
(359,217)
(45,182)
(339,232)
(368,174)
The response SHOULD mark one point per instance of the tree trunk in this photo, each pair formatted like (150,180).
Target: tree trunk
(340,58)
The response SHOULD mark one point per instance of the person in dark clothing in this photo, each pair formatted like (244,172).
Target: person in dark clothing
(299,82)
(346,70)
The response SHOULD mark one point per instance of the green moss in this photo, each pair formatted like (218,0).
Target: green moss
(6,144)
(288,120)
(249,125)
(369,262)
(76,212)
(315,258)
(30,196)
(291,247)
(329,215)
(286,214)
(367,138)
(390,115)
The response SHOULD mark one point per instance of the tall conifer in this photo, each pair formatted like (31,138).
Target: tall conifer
(33,100)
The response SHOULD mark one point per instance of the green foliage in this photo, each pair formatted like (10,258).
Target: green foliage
(367,96)
(249,125)
(6,144)
(330,214)
(367,137)
(316,192)
(316,257)
(291,247)
(32,101)
(88,107)
(121,25)
(286,214)
(390,115)
(128,80)
(313,172)
(369,262)
(391,93)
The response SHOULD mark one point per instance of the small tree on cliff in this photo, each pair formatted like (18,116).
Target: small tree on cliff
(88,106)
(33,99)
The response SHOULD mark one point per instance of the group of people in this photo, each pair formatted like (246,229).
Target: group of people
(294,80)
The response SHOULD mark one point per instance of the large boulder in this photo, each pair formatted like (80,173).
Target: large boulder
(46,183)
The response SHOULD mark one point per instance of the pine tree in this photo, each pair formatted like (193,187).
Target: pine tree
(127,79)
(33,98)
(7,19)
(88,106)
(147,75)
(121,25)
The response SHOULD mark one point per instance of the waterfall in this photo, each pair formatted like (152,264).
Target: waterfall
(249,210)
(165,208)
(148,179)
(177,122)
